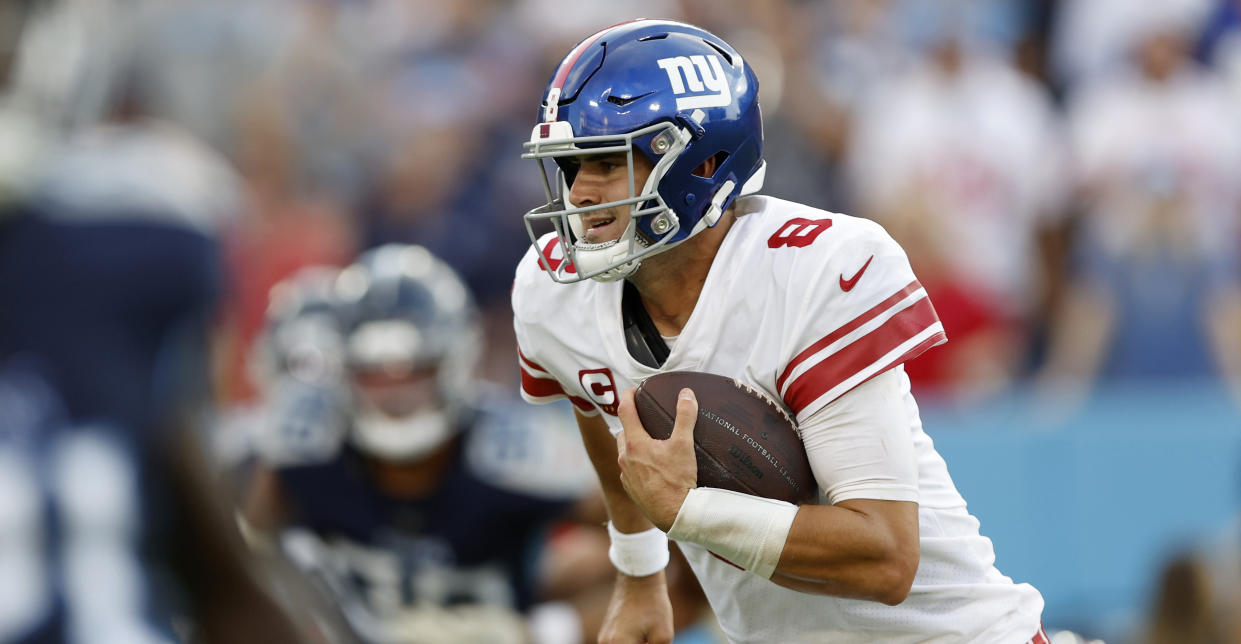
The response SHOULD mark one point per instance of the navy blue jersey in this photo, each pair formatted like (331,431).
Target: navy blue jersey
(113,310)
(471,540)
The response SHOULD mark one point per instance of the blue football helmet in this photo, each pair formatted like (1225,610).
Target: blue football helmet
(299,366)
(302,333)
(412,343)
(675,93)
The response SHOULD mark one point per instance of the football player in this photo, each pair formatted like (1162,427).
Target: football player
(417,495)
(661,257)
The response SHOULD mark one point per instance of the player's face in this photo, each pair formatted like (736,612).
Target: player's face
(601,179)
(397,390)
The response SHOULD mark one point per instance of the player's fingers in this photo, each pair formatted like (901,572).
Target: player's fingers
(628,414)
(687,414)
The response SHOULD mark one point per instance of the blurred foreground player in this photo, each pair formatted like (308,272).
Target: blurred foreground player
(111,530)
(654,132)
(392,475)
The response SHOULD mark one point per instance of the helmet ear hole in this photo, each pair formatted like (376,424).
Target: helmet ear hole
(711,166)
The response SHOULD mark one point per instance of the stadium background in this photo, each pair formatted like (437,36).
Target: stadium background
(1066,183)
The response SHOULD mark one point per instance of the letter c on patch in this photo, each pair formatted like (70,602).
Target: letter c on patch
(600,388)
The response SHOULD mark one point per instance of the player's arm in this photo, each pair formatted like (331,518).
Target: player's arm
(863,547)
(870,550)
(640,610)
(601,447)
(232,603)
(263,506)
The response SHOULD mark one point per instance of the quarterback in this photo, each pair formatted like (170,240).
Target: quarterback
(661,256)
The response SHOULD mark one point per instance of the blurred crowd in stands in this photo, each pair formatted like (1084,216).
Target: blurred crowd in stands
(1064,174)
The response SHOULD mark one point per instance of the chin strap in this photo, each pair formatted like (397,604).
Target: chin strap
(715,210)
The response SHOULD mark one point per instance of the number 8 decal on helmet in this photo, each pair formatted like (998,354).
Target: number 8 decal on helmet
(673,93)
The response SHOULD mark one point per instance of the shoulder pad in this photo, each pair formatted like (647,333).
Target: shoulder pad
(528,449)
(301,424)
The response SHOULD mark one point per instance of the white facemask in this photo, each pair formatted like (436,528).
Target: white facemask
(401,439)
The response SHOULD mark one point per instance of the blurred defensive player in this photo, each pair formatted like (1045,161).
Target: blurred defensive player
(397,479)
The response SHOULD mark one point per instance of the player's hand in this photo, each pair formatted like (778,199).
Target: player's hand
(639,611)
(658,474)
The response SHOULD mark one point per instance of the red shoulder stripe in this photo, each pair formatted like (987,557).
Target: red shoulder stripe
(864,352)
(841,332)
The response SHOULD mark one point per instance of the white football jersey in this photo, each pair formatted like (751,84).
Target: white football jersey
(803,305)
(982,152)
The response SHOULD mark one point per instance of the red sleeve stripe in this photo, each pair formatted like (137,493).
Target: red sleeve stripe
(540,387)
(938,337)
(548,389)
(528,363)
(874,312)
(905,335)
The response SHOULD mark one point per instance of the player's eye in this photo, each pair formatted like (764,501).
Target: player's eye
(611,164)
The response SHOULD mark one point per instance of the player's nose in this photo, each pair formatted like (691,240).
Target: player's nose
(585,190)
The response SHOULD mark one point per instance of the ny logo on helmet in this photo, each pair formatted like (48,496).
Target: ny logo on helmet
(697,74)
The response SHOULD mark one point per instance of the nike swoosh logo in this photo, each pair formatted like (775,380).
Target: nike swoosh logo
(846,285)
(623,101)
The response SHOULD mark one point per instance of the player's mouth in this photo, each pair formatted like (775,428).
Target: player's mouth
(600,228)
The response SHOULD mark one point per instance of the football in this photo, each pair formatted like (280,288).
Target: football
(743,441)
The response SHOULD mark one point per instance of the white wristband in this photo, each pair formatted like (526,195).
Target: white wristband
(638,554)
(555,623)
(748,531)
